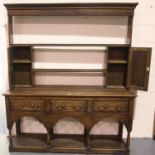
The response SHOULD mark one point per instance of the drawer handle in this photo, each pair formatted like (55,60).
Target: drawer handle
(76,108)
(120,107)
(103,108)
(60,107)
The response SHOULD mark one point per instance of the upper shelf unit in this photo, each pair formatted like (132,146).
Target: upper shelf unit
(80,10)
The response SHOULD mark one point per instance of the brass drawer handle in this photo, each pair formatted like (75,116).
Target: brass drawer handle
(103,108)
(60,107)
(120,107)
(76,108)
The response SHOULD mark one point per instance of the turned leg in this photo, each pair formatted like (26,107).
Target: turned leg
(49,136)
(87,138)
(18,128)
(128,153)
(120,130)
(48,141)
(10,138)
(128,141)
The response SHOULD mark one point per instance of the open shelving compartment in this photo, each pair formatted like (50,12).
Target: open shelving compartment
(103,66)
(69,65)
(20,65)
(117,66)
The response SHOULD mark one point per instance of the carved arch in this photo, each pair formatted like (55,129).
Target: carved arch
(74,126)
(31,116)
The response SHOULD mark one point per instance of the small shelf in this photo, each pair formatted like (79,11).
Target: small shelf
(23,85)
(116,87)
(21,61)
(117,62)
(69,70)
(72,47)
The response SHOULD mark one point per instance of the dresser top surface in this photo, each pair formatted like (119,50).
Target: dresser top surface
(72,92)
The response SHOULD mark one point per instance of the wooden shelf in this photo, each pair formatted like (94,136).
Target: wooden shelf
(22,85)
(117,62)
(22,61)
(72,72)
(115,87)
(69,70)
(40,45)
(73,47)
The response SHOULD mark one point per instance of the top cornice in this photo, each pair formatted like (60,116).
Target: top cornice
(71,9)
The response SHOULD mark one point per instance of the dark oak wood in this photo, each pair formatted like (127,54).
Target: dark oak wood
(113,102)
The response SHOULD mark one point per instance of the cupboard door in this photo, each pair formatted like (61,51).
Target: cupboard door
(139,68)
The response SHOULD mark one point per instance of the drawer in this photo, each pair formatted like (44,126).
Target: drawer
(69,105)
(111,106)
(27,104)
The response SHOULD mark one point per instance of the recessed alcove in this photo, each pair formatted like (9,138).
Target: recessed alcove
(105,127)
(68,125)
(69,65)
(66,29)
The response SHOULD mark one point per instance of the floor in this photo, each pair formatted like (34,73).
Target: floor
(139,146)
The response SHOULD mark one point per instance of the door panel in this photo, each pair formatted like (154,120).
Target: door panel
(139,68)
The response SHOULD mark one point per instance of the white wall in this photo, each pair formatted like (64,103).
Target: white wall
(143,35)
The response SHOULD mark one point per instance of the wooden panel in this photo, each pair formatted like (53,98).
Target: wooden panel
(69,105)
(22,74)
(116,75)
(140,67)
(111,106)
(21,53)
(118,53)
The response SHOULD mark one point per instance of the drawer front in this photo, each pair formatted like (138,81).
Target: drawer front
(69,105)
(111,106)
(27,104)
